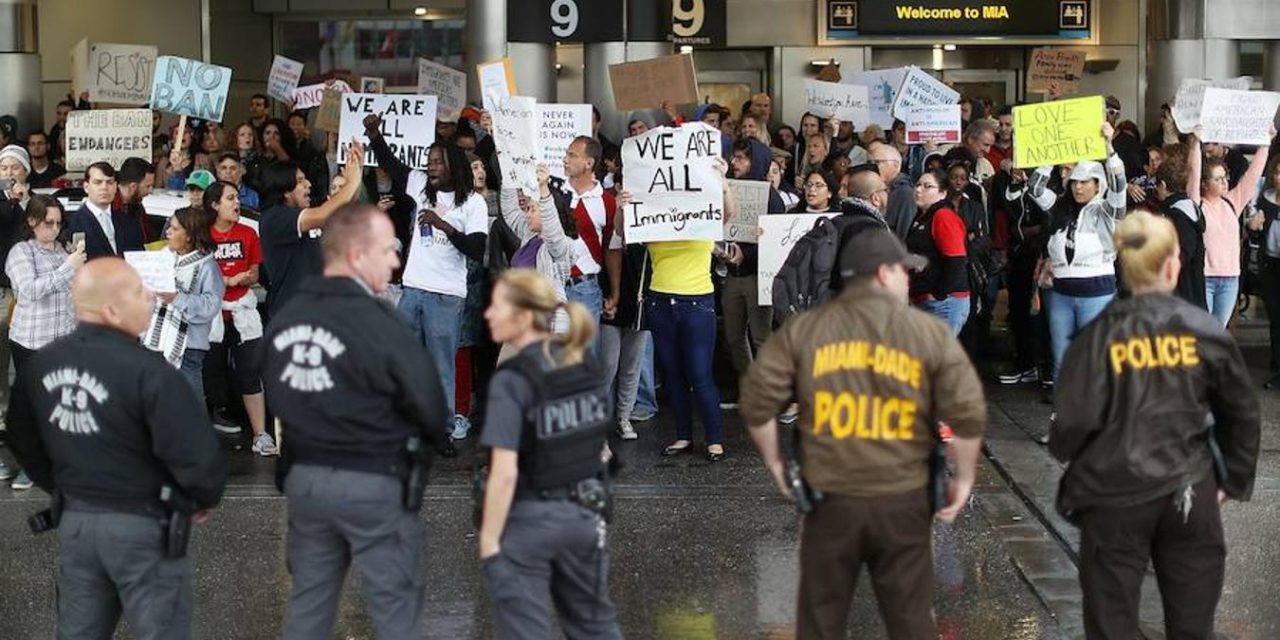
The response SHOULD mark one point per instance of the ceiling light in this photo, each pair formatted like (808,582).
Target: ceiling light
(420,11)
(948,47)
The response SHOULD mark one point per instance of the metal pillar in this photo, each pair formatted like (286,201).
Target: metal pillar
(486,39)
(21,93)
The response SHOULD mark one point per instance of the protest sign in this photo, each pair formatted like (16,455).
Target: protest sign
(751,199)
(1238,117)
(675,186)
(882,87)
(120,73)
(558,125)
(109,135)
(920,88)
(329,113)
(80,67)
(284,77)
(1056,72)
(449,86)
(373,85)
(1187,104)
(933,123)
(645,84)
(496,81)
(190,88)
(408,125)
(1058,132)
(156,268)
(312,95)
(515,135)
(778,233)
(848,102)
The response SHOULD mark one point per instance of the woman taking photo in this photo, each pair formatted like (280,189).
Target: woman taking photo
(821,193)
(938,233)
(1145,476)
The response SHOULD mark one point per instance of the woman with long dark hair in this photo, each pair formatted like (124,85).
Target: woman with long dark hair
(938,233)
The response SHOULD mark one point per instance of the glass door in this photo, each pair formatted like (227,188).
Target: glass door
(999,86)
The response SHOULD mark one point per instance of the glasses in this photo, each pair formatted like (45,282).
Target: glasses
(815,186)
(51,223)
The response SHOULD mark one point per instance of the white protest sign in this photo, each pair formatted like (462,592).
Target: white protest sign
(920,88)
(1238,117)
(120,73)
(751,199)
(284,77)
(1187,104)
(778,233)
(848,102)
(190,88)
(933,123)
(515,135)
(156,268)
(408,125)
(449,86)
(675,187)
(80,67)
(558,125)
(312,95)
(1056,72)
(496,81)
(882,87)
(107,135)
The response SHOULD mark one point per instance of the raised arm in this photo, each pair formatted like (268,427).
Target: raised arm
(1038,184)
(1116,201)
(509,203)
(1247,189)
(553,236)
(396,169)
(1195,164)
(315,217)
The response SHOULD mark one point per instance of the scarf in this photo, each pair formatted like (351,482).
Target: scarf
(167,332)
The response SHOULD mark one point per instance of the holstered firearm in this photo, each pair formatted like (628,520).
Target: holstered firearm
(48,519)
(177,521)
(415,478)
(803,495)
(939,474)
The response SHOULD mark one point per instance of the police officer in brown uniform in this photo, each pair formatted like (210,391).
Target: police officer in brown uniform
(1135,388)
(873,377)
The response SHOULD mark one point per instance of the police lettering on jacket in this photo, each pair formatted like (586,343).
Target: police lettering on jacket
(74,389)
(564,415)
(858,415)
(1163,351)
(309,347)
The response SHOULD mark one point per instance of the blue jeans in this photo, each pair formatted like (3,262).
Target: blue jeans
(952,310)
(437,321)
(646,395)
(192,368)
(1220,292)
(1068,315)
(588,294)
(684,337)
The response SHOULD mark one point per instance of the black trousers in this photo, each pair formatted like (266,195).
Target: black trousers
(1024,326)
(1270,290)
(1189,556)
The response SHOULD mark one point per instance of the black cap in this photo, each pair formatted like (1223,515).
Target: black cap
(1113,103)
(863,254)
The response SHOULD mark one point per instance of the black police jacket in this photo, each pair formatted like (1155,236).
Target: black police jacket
(99,417)
(1136,388)
(349,380)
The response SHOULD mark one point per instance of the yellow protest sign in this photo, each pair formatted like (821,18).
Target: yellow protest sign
(1059,132)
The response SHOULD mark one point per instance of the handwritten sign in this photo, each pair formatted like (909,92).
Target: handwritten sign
(751,197)
(120,73)
(933,123)
(558,126)
(676,189)
(848,102)
(329,113)
(920,88)
(1056,72)
(312,95)
(882,87)
(1238,117)
(190,87)
(156,268)
(644,84)
(109,135)
(408,125)
(1188,102)
(1058,132)
(283,78)
(496,82)
(448,85)
(778,233)
(515,135)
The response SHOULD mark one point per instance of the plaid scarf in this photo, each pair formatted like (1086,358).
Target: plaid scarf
(167,332)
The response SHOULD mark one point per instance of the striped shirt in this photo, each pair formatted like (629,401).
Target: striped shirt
(41,280)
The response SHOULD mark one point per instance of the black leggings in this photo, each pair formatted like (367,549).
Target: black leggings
(241,359)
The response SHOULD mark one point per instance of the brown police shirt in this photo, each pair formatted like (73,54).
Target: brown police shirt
(873,377)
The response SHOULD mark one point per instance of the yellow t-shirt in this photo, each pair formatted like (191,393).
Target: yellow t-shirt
(682,267)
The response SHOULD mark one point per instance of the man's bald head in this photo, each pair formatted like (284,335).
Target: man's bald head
(108,292)
(869,186)
(887,159)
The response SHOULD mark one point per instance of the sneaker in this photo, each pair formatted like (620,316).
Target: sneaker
(22,482)
(642,416)
(263,445)
(728,405)
(222,425)
(625,430)
(461,427)
(5,471)
(1030,375)
(790,415)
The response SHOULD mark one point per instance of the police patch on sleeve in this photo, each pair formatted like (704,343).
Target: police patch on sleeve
(77,391)
(311,351)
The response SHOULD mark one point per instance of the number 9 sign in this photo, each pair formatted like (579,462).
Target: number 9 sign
(687,17)
(564,18)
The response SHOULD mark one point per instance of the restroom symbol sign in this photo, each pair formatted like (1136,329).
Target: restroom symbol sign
(1073,15)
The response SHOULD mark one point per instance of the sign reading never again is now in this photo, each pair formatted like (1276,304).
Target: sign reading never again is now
(1059,132)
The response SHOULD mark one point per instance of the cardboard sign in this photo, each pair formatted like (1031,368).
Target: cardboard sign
(920,88)
(1187,104)
(558,125)
(80,67)
(312,95)
(120,73)
(675,187)
(284,77)
(1056,72)
(515,135)
(107,135)
(751,199)
(329,113)
(449,86)
(933,123)
(158,269)
(408,124)
(1238,117)
(778,233)
(1059,132)
(645,84)
(882,87)
(848,102)
(373,85)
(496,82)
(190,87)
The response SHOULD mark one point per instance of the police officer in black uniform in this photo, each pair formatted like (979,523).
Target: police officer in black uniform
(545,504)
(1146,473)
(361,404)
(124,445)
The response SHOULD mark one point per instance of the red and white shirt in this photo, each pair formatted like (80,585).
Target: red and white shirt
(594,211)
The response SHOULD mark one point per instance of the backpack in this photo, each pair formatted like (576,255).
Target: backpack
(809,276)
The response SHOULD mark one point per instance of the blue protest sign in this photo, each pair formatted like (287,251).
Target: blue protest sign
(190,87)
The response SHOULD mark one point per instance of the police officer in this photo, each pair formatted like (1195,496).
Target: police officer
(873,378)
(543,523)
(123,443)
(360,402)
(1146,473)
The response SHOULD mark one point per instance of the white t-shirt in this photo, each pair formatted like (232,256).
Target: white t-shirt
(434,264)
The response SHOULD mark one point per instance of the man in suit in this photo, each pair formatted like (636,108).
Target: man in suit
(106,232)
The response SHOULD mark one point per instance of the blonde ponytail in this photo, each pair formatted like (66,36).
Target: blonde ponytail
(582,330)
(1144,242)
(527,289)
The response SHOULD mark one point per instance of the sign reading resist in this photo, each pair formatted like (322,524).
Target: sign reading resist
(190,88)
(676,189)
(408,124)
(120,73)
(110,135)
(848,102)
(558,125)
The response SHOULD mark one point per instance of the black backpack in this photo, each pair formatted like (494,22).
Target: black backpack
(809,276)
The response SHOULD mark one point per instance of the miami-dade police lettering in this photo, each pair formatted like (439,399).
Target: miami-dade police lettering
(309,346)
(75,388)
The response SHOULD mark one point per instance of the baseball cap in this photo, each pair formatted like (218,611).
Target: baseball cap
(200,179)
(866,251)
